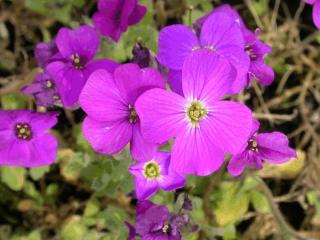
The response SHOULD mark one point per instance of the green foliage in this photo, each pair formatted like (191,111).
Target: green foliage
(60,10)
(13,177)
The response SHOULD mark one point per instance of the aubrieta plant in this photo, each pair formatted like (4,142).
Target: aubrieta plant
(181,99)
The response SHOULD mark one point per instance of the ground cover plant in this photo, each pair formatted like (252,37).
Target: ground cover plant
(183,119)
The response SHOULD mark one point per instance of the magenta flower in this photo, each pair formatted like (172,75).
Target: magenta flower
(255,49)
(271,147)
(315,11)
(77,48)
(109,100)
(154,174)
(114,16)
(153,222)
(23,138)
(43,89)
(45,52)
(220,34)
(205,126)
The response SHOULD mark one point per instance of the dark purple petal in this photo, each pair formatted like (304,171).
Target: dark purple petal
(107,26)
(175,81)
(137,14)
(83,41)
(132,231)
(153,219)
(44,52)
(261,72)
(274,147)
(104,64)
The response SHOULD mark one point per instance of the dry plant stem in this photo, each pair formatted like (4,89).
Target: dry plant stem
(287,231)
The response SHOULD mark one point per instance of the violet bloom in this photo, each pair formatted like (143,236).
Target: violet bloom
(153,222)
(45,52)
(43,89)
(205,126)
(220,34)
(23,138)
(109,101)
(271,147)
(315,11)
(114,16)
(77,47)
(255,49)
(154,174)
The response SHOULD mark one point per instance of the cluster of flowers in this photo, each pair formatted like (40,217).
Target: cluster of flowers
(125,103)
(156,222)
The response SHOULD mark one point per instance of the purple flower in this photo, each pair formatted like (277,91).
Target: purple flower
(154,174)
(23,138)
(114,16)
(153,222)
(109,100)
(44,90)
(255,49)
(220,34)
(315,11)
(271,147)
(46,52)
(77,48)
(205,126)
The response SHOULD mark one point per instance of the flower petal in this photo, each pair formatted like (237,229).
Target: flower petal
(110,8)
(145,188)
(228,125)
(240,61)
(107,138)
(107,26)
(237,164)
(83,41)
(141,150)
(137,14)
(206,75)
(161,114)
(41,122)
(175,44)
(274,147)
(193,153)
(101,99)
(171,182)
(175,81)
(316,14)
(262,72)
(220,30)
(133,81)
(105,64)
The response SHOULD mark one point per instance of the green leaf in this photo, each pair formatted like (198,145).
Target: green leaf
(13,177)
(38,172)
(260,202)
(14,101)
(92,208)
(233,204)
(74,229)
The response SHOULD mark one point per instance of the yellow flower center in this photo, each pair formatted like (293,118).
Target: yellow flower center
(165,228)
(151,170)
(23,131)
(195,112)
